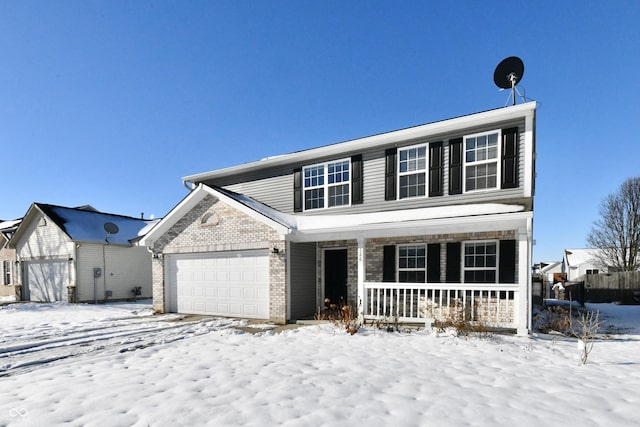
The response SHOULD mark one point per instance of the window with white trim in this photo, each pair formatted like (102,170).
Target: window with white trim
(327,185)
(412,171)
(480,263)
(412,263)
(7,272)
(481,157)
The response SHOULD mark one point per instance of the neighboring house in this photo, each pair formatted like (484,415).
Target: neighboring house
(578,262)
(429,222)
(7,260)
(547,274)
(80,255)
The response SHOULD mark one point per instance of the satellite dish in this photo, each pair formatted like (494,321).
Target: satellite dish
(110,228)
(508,73)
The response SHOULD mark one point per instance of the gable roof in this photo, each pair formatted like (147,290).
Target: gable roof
(197,195)
(85,224)
(374,141)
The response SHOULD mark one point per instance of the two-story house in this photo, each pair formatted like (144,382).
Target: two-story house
(429,222)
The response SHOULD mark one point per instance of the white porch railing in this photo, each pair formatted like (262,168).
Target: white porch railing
(491,305)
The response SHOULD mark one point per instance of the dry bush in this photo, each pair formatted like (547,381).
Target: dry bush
(553,318)
(585,328)
(343,315)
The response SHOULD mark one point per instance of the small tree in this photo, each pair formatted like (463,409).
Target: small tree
(585,328)
(617,234)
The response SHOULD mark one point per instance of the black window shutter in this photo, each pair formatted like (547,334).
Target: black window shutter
(390,174)
(389,264)
(436,169)
(297,190)
(510,158)
(356,179)
(433,263)
(453,262)
(507,262)
(455,166)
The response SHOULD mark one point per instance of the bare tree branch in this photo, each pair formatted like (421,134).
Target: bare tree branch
(617,233)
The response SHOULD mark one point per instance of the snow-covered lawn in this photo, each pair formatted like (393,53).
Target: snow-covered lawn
(119,365)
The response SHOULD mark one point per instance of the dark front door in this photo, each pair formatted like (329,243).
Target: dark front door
(335,275)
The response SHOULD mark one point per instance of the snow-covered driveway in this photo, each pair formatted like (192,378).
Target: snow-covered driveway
(34,335)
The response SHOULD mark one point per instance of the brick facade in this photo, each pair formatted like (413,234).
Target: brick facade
(374,249)
(213,226)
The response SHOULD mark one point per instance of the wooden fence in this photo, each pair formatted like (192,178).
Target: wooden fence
(623,287)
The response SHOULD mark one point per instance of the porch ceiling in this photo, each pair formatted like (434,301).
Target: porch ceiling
(480,223)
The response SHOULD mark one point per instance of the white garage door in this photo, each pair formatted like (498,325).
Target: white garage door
(234,284)
(47,281)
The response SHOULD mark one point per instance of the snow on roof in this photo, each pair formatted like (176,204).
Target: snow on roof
(150,224)
(580,256)
(304,223)
(89,225)
(7,225)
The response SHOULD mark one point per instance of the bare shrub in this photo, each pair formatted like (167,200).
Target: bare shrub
(585,328)
(343,315)
(553,318)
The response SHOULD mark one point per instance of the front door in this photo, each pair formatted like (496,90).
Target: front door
(335,276)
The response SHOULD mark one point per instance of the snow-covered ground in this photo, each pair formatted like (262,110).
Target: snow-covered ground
(119,365)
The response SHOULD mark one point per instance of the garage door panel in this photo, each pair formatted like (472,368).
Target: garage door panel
(226,283)
(47,281)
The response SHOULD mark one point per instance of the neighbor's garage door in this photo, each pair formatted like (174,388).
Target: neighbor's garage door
(234,284)
(47,281)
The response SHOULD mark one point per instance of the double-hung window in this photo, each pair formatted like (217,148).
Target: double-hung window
(412,263)
(480,261)
(481,161)
(412,171)
(7,272)
(327,185)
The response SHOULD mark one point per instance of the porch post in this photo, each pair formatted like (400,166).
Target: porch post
(524,279)
(361,296)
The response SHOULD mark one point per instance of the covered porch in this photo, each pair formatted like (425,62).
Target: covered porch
(502,303)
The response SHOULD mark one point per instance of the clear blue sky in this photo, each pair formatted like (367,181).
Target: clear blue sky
(111,103)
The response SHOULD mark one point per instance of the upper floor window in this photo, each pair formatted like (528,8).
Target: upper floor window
(481,161)
(412,171)
(412,263)
(480,262)
(327,185)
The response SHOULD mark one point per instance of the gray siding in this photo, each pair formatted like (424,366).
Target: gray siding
(303,280)
(274,187)
(276,191)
